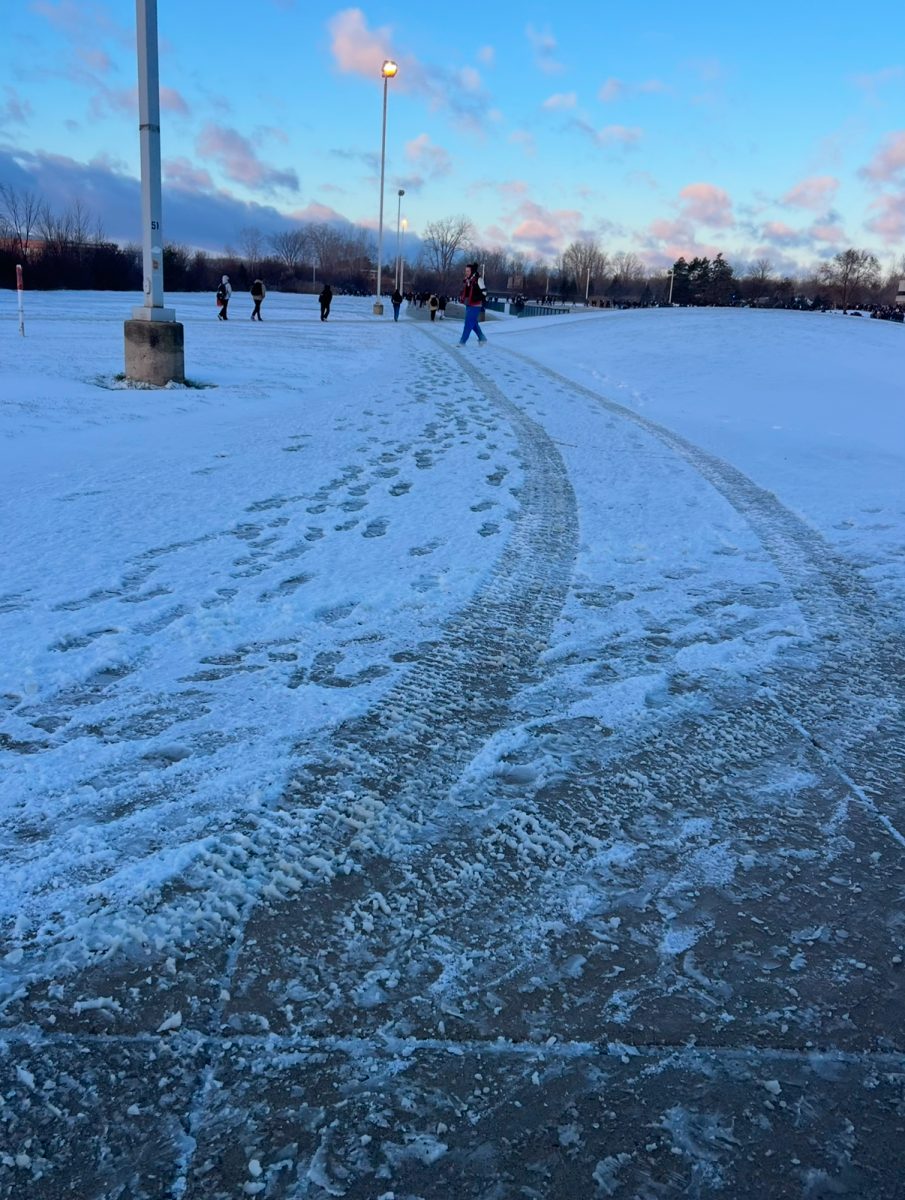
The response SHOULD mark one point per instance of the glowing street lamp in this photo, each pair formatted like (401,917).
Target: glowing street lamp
(388,71)
(398,215)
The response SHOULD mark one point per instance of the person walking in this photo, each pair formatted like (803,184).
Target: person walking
(224,291)
(258,292)
(326,297)
(472,296)
(433,304)
(441,311)
(396,301)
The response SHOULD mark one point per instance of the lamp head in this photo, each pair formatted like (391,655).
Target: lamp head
(389,69)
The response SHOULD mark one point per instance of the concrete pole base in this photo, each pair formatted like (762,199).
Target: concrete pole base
(155,352)
(378,309)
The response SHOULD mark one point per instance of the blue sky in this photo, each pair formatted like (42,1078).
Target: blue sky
(773,131)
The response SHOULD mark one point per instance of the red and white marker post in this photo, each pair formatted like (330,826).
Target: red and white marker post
(20,290)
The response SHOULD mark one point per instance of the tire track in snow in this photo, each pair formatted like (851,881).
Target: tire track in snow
(857,687)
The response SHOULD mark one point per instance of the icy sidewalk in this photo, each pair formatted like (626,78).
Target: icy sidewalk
(591,892)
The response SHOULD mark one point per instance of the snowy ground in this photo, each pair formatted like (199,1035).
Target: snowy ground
(436,772)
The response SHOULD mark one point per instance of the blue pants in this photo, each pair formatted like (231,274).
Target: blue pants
(472,319)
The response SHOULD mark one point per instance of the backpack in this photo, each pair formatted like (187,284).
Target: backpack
(221,293)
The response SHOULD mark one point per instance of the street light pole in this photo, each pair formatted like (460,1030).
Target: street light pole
(388,70)
(405,226)
(398,216)
(672,276)
(587,288)
(154,339)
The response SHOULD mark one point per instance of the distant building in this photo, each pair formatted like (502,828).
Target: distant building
(900,294)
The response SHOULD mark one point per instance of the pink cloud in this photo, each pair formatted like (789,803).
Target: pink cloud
(173,101)
(706,203)
(778,231)
(94,59)
(357,49)
(827,232)
(671,231)
(546,231)
(183,174)
(889,222)
(434,159)
(320,213)
(238,160)
(816,193)
(888,161)
(613,89)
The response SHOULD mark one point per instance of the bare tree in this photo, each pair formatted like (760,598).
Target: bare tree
(70,233)
(850,270)
(251,245)
(584,261)
(21,212)
(628,274)
(758,283)
(442,241)
(289,247)
(893,279)
(325,245)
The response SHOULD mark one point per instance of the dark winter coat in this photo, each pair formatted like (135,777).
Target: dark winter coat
(471,293)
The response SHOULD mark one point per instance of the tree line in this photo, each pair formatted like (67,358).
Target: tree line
(69,250)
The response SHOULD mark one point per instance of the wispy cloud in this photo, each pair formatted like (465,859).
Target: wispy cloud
(617,89)
(888,221)
(560,101)
(888,161)
(521,137)
(14,110)
(239,162)
(872,81)
(625,136)
(815,193)
(180,173)
(544,45)
(422,152)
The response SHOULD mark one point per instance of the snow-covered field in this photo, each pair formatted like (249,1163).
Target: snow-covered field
(434,771)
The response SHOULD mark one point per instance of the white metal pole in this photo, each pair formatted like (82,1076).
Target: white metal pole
(672,276)
(402,260)
(398,218)
(383,146)
(587,287)
(149,130)
(20,289)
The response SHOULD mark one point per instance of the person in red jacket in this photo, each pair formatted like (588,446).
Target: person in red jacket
(472,296)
